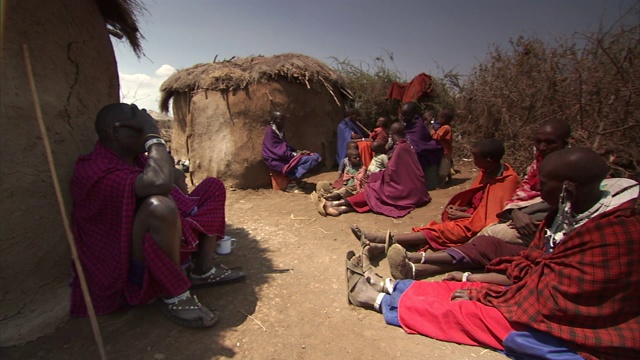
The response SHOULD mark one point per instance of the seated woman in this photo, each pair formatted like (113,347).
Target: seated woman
(280,157)
(394,192)
(467,212)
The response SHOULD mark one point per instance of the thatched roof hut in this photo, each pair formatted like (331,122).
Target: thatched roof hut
(75,74)
(219,110)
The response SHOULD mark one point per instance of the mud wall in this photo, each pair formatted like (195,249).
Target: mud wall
(221,133)
(75,74)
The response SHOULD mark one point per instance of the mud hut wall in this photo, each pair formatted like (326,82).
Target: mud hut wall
(75,74)
(181,116)
(227,129)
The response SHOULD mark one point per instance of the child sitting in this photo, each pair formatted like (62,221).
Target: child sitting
(350,179)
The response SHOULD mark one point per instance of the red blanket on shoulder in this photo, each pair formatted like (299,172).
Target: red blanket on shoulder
(584,292)
(104,207)
(455,232)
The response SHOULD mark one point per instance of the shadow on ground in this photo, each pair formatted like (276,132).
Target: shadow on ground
(146,324)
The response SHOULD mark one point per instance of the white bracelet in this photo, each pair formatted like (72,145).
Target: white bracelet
(154,141)
(465,276)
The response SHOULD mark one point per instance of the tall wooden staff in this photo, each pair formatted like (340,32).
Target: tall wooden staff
(63,213)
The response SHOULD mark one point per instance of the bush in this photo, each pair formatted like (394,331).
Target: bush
(592,81)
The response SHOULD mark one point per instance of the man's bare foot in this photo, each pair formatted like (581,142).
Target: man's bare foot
(372,238)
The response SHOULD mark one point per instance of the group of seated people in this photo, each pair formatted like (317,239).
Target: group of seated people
(555,256)
(559,254)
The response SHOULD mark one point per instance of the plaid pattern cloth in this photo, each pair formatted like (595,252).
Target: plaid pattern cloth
(585,292)
(104,207)
(530,187)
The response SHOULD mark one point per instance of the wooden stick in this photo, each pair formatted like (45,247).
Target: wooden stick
(363,128)
(63,213)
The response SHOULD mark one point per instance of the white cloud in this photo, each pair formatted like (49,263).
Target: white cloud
(142,89)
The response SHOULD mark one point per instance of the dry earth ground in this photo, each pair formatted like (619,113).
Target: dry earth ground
(292,306)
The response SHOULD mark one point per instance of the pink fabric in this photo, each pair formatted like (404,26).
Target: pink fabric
(426,308)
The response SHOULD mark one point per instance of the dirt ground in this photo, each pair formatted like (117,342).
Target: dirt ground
(293,304)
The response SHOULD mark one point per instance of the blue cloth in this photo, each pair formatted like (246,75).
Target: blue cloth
(389,304)
(345,129)
(303,166)
(534,344)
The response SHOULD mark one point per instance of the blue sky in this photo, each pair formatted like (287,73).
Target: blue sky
(422,35)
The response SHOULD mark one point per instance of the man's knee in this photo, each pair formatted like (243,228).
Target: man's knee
(160,207)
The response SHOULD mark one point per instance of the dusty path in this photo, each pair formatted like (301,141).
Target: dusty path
(295,296)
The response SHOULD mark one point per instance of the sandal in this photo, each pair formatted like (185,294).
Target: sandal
(361,236)
(378,286)
(218,275)
(189,312)
(320,204)
(399,264)
(355,280)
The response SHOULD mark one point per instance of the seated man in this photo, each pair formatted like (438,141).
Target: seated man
(512,233)
(135,228)
(281,158)
(467,212)
(574,290)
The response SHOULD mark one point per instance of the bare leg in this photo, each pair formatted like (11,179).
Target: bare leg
(406,239)
(438,257)
(159,216)
(333,196)
(426,270)
(206,248)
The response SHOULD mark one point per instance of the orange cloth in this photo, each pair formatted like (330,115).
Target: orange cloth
(444,136)
(451,233)
(364,147)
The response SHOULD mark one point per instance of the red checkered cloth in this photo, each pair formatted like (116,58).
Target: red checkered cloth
(530,187)
(584,292)
(104,207)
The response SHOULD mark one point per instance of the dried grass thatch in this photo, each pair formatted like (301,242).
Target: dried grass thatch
(238,73)
(122,16)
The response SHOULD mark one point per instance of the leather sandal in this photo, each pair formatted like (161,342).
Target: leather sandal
(218,275)
(189,312)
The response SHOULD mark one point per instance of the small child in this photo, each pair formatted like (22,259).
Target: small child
(380,133)
(431,117)
(444,136)
(349,178)
(351,145)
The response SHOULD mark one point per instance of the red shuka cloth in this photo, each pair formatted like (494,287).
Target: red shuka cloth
(455,232)
(411,91)
(396,190)
(426,308)
(585,292)
(364,147)
(104,207)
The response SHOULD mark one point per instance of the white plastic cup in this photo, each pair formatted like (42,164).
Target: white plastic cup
(225,245)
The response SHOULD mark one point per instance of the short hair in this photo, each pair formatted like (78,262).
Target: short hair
(399,125)
(447,114)
(352,152)
(580,165)
(561,127)
(353,112)
(492,149)
(352,143)
(111,114)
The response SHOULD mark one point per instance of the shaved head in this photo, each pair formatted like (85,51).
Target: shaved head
(579,165)
(409,110)
(559,128)
(111,114)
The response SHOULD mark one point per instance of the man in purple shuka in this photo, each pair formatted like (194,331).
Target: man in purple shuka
(280,157)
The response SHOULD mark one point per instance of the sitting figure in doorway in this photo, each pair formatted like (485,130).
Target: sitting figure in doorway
(467,212)
(513,232)
(136,231)
(572,294)
(351,179)
(394,191)
(283,159)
